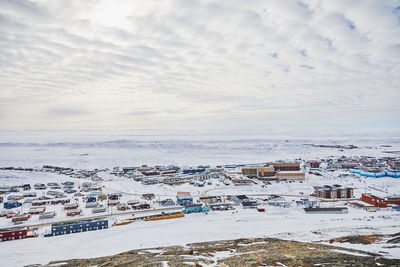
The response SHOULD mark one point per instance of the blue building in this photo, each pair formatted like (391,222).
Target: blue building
(192,171)
(91,199)
(12,204)
(195,208)
(184,200)
(76,227)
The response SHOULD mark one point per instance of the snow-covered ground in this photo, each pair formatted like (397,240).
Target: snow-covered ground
(286,223)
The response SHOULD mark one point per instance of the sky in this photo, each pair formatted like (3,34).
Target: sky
(199,65)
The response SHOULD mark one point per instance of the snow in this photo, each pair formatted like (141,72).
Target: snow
(285,223)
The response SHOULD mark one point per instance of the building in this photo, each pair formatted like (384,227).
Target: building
(314,164)
(238,182)
(184,200)
(210,199)
(167,202)
(15,233)
(221,206)
(76,227)
(330,210)
(36,210)
(259,172)
(70,206)
(250,172)
(51,202)
(286,175)
(239,198)
(47,215)
(20,217)
(285,166)
(11,204)
(148,196)
(195,208)
(380,202)
(333,192)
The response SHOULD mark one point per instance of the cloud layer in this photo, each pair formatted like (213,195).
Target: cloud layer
(209,65)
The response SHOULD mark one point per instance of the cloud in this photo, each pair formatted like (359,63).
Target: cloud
(66,112)
(108,64)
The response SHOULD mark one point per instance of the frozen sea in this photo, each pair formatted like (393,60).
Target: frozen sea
(105,149)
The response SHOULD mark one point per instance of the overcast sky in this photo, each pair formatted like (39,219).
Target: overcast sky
(191,65)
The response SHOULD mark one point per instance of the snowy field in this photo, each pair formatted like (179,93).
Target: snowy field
(292,223)
(91,150)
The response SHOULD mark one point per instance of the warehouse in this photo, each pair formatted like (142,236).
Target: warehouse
(331,210)
(75,227)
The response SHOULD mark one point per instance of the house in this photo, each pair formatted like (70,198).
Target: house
(141,206)
(113,196)
(249,204)
(239,198)
(70,206)
(91,205)
(15,197)
(193,171)
(113,202)
(21,217)
(44,202)
(195,208)
(167,202)
(99,209)
(221,206)
(29,194)
(314,164)
(238,182)
(76,227)
(15,233)
(73,212)
(11,204)
(122,207)
(210,199)
(26,187)
(91,199)
(47,215)
(40,186)
(36,210)
(184,200)
(149,181)
(148,196)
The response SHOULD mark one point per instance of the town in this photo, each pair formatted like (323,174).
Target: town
(63,200)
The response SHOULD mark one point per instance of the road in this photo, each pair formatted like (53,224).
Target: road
(78,218)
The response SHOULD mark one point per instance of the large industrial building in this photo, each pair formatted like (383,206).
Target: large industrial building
(275,171)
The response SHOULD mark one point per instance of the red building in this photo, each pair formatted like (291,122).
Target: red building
(381,202)
(393,200)
(314,164)
(15,233)
(374,200)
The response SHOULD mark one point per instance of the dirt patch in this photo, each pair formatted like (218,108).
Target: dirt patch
(241,252)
